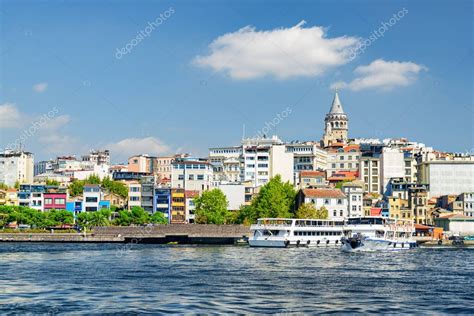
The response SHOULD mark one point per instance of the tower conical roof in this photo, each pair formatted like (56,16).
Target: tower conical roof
(336,107)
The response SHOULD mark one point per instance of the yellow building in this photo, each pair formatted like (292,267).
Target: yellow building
(9,197)
(178,210)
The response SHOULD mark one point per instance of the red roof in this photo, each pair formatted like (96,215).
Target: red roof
(376,211)
(344,175)
(191,193)
(323,193)
(312,174)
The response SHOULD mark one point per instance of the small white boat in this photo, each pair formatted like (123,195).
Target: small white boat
(378,233)
(287,232)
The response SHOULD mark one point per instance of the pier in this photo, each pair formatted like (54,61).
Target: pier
(159,234)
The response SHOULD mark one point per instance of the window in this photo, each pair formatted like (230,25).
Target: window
(354,198)
(339,201)
(335,213)
(200,177)
(59,201)
(191,177)
(181,177)
(341,213)
(326,201)
(134,198)
(341,165)
(90,199)
(333,166)
(48,201)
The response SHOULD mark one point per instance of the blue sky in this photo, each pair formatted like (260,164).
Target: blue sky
(175,91)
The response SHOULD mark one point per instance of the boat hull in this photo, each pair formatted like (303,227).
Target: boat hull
(373,244)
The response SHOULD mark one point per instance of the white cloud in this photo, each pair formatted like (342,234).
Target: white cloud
(58,144)
(10,117)
(281,53)
(56,122)
(127,147)
(40,87)
(381,74)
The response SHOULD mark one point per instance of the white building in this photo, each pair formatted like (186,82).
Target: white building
(16,166)
(257,160)
(369,173)
(235,194)
(98,157)
(392,165)
(92,196)
(191,174)
(343,159)
(134,194)
(308,156)
(447,176)
(332,199)
(354,192)
(467,200)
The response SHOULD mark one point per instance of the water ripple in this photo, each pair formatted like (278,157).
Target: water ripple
(51,279)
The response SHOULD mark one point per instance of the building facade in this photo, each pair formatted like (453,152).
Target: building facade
(16,166)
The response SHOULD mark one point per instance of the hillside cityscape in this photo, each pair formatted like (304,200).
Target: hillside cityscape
(344,176)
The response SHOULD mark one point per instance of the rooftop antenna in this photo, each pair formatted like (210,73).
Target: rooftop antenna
(243,131)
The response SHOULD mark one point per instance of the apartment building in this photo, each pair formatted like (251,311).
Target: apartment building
(447,176)
(192,174)
(343,158)
(134,194)
(16,166)
(354,192)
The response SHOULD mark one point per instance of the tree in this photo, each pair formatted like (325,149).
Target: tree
(60,217)
(307,210)
(17,185)
(341,183)
(84,220)
(3,186)
(124,218)
(136,215)
(52,182)
(139,216)
(323,213)
(159,218)
(246,215)
(275,199)
(211,208)
(76,188)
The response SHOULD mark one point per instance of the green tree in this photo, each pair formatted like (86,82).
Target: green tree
(124,218)
(322,213)
(3,186)
(52,182)
(275,199)
(76,188)
(159,218)
(139,216)
(306,210)
(246,215)
(17,185)
(211,208)
(341,183)
(100,218)
(84,220)
(60,217)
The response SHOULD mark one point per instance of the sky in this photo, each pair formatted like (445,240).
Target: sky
(161,77)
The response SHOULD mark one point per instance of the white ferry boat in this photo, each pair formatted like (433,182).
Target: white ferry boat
(378,233)
(372,233)
(287,232)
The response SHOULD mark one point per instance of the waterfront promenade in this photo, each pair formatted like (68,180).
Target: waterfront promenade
(161,234)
